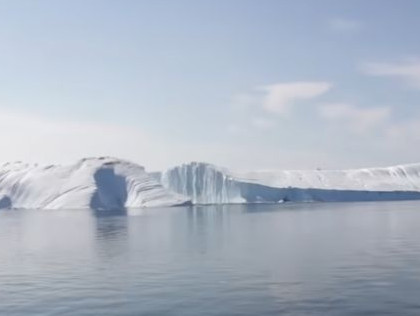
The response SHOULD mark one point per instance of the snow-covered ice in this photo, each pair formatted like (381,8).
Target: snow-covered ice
(209,184)
(97,183)
(110,183)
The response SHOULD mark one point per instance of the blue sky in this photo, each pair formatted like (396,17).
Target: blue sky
(244,84)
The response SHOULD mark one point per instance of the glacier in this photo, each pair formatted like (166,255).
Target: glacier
(102,183)
(209,184)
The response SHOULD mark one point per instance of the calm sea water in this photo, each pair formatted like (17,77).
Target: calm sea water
(307,259)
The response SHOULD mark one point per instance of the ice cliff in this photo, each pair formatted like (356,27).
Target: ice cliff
(97,183)
(110,183)
(209,184)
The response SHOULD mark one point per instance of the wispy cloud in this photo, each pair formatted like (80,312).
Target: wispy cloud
(254,110)
(356,119)
(345,25)
(280,97)
(409,71)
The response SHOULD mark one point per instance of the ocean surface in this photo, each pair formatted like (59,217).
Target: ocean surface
(291,259)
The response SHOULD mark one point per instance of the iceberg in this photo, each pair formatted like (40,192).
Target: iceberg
(102,183)
(107,183)
(208,184)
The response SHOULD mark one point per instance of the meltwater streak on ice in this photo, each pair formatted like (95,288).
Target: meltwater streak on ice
(97,183)
(209,184)
(203,183)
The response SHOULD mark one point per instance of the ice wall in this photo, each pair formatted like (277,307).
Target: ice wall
(203,183)
(209,184)
(98,183)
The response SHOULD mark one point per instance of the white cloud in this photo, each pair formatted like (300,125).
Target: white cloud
(356,119)
(409,71)
(344,25)
(280,97)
